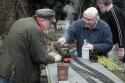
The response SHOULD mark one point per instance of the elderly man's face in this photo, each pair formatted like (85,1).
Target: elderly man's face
(48,26)
(90,20)
(47,23)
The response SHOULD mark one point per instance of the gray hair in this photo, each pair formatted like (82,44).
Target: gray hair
(93,11)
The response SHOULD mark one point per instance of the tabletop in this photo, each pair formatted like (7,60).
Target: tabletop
(83,72)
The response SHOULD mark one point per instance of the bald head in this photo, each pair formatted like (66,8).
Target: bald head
(92,12)
(91,17)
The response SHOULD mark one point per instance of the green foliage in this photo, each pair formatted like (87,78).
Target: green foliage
(110,64)
(113,66)
(65,52)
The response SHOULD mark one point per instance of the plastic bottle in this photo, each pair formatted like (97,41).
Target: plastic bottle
(85,51)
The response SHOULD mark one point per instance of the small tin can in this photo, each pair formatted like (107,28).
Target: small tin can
(62,72)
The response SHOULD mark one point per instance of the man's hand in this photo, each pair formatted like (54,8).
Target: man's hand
(62,41)
(55,55)
(121,53)
(88,45)
(57,58)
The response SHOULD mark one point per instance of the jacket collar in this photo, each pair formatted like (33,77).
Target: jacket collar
(40,25)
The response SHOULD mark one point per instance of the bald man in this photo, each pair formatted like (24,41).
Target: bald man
(93,29)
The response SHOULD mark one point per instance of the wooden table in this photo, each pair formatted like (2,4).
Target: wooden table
(74,77)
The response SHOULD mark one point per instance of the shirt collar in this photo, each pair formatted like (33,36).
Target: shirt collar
(95,26)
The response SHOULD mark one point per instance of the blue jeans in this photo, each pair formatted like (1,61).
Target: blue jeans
(5,81)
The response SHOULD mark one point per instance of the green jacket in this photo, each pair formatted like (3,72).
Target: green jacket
(24,49)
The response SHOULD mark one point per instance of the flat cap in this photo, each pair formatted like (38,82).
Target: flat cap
(46,13)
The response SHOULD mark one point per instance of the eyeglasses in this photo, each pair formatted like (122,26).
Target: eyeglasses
(87,19)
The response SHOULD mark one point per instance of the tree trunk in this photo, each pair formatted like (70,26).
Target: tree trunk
(10,11)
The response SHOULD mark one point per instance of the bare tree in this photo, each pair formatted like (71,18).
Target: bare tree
(73,9)
(10,11)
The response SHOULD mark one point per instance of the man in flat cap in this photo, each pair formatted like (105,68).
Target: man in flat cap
(24,48)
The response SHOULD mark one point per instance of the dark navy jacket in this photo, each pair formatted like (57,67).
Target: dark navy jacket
(100,36)
(116,20)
